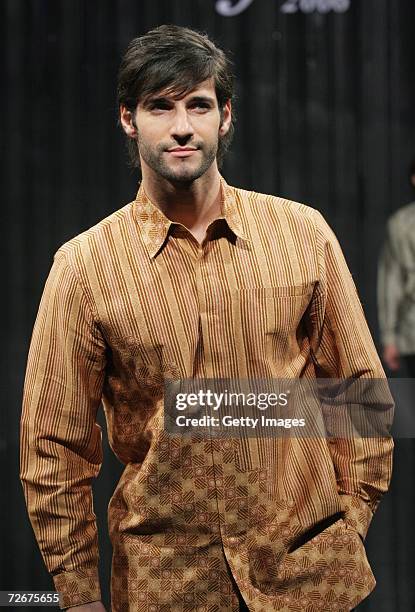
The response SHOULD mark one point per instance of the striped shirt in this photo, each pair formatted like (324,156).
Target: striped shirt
(135,301)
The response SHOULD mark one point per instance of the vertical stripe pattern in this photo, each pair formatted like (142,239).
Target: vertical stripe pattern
(136,300)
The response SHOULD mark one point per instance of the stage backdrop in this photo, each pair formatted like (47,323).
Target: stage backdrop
(325,115)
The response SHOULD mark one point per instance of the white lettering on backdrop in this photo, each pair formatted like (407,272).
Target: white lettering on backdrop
(227,9)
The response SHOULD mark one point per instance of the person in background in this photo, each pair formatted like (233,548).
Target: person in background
(396,288)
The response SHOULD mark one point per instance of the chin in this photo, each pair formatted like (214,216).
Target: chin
(185,176)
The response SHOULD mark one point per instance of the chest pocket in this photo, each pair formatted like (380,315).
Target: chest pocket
(273,310)
(285,307)
(268,322)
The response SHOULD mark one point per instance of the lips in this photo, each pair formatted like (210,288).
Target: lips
(181,151)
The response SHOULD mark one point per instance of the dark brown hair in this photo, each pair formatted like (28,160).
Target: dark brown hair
(173,59)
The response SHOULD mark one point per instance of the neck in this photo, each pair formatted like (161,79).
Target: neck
(195,205)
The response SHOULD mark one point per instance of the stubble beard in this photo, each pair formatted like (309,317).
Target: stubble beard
(155,157)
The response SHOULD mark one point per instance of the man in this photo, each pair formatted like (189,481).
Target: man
(196,279)
(396,288)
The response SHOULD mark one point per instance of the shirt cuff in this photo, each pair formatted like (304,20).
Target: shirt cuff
(357,514)
(77,587)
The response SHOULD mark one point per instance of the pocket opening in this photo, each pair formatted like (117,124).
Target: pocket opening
(314,531)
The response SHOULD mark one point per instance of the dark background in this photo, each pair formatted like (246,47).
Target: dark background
(326,116)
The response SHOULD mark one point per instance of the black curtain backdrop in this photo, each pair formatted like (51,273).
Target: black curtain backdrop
(325,115)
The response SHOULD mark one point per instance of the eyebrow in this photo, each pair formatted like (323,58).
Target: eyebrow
(207,99)
(164,100)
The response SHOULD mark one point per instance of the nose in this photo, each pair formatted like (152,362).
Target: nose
(182,128)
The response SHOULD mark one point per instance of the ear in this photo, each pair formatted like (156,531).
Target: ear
(126,118)
(226,118)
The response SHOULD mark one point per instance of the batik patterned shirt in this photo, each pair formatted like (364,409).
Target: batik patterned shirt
(135,301)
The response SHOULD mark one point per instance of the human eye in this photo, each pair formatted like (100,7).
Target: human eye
(200,106)
(157,106)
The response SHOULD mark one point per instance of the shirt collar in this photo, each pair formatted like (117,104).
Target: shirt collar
(154,225)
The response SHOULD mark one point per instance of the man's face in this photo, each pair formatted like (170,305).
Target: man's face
(178,138)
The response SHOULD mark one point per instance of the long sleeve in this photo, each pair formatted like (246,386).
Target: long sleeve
(390,287)
(60,446)
(342,348)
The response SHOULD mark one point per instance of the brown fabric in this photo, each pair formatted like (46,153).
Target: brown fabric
(136,300)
